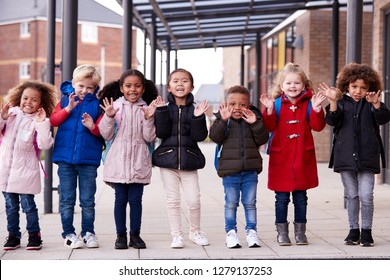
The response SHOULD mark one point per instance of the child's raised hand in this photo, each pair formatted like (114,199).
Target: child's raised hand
(72,103)
(4,109)
(330,92)
(317,100)
(160,102)
(267,101)
(87,121)
(224,111)
(41,115)
(108,107)
(249,116)
(374,98)
(150,110)
(201,108)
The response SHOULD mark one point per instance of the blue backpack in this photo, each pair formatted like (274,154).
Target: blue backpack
(277,105)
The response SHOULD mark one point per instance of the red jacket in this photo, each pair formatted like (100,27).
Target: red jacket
(292,159)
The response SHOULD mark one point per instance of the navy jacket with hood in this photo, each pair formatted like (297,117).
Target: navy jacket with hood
(74,143)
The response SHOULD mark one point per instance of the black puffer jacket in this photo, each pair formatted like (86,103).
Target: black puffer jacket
(179,131)
(357,144)
(241,142)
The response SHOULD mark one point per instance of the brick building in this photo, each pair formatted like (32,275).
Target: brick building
(23,33)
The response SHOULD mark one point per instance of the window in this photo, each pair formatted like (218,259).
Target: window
(25,29)
(89,33)
(24,70)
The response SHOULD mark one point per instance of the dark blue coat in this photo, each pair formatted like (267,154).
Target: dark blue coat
(179,131)
(74,143)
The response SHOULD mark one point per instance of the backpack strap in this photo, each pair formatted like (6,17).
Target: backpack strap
(38,154)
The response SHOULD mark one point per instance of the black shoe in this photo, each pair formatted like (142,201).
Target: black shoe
(121,241)
(34,241)
(11,243)
(136,241)
(353,237)
(366,238)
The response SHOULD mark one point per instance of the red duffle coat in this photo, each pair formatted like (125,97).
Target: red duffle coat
(292,158)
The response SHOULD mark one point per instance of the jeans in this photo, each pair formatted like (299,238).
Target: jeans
(128,194)
(282,199)
(12,210)
(359,192)
(246,184)
(86,175)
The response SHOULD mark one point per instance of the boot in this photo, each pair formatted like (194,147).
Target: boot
(366,238)
(121,241)
(283,239)
(136,241)
(300,236)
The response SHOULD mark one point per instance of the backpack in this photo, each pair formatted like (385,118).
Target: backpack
(35,143)
(278,105)
(218,148)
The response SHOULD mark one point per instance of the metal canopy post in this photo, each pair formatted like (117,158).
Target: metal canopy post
(50,63)
(255,101)
(242,66)
(69,38)
(354,31)
(153,48)
(127,35)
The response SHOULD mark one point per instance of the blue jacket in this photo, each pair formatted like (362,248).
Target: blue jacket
(74,143)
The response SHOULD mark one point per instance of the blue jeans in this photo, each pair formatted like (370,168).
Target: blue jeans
(12,210)
(359,194)
(282,199)
(246,184)
(86,175)
(128,194)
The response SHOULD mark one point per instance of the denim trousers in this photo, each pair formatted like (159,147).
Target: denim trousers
(282,199)
(359,194)
(85,176)
(244,184)
(128,194)
(29,207)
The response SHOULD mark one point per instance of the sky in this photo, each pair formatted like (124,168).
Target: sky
(206,68)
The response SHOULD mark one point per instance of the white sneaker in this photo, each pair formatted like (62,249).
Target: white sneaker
(252,240)
(90,240)
(177,242)
(199,238)
(232,240)
(72,241)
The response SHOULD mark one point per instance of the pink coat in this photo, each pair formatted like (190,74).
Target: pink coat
(292,159)
(128,160)
(19,165)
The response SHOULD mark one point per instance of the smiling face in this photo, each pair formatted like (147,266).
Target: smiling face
(358,89)
(83,87)
(132,88)
(30,101)
(180,85)
(237,102)
(292,86)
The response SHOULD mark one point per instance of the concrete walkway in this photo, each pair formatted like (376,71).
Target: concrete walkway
(326,229)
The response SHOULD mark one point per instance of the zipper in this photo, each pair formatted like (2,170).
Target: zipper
(178,139)
(166,152)
(192,153)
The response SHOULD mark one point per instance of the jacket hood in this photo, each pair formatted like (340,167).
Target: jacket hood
(67,88)
(189,98)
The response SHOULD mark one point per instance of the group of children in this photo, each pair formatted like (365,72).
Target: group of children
(126,116)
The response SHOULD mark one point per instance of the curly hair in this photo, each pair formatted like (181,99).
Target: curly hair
(112,89)
(48,94)
(354,71)
(290,68)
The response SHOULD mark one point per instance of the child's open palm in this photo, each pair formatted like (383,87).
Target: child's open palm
(267,101)
(108,107)
(151,109)
(224,111)
(201,108)
(87,121)
(41,115)
(330,92)
(249,116)
(72,103)
(4,109)
(317,99)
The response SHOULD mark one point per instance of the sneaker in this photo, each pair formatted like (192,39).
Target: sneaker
(198,238)
(252,240)
(72,241)
(232,240)
(121,241)
(90,240)
(177,242)
(366,238)
(34,241)
(136,241)
(353,237)
(11,243)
